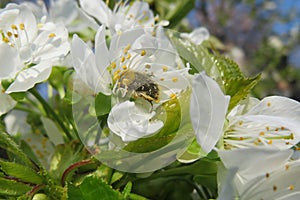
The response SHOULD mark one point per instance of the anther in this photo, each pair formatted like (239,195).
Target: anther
(143,52)
(22,26)
(165,68)
(51,35)
(14,27)
(122,59)
(174,79)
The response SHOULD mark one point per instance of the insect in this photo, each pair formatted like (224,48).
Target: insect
(140,85)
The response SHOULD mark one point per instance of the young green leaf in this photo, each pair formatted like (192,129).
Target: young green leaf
(20,172)
(12,188)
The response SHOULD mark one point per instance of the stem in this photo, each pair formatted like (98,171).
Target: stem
(50,112)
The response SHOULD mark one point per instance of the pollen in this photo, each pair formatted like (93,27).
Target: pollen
(5,39)
(147,66)
(262,133)
(267,175)
(165,68)
(122,59)
(270,142)
(291,187)
(173,96)
(124,67)
(113,65)
(9,34)
(143,52)
(287,167)
(14,27)
(51,35)
(22,26)
(174,79)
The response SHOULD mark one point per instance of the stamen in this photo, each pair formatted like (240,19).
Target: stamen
(5,39)
(173,96)
(14,27)
(22,26)
(291,187)
(174,79)
(143,52)
(261,133)
(268,104)
(128,56)
(124,67)
(9,34)
(113,65)
(122,59)
(51,35)
(274,188)
(267,175)
(287,167)
(147,66)
(165,68)
(162,79)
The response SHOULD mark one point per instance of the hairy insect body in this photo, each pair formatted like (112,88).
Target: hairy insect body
(140,85)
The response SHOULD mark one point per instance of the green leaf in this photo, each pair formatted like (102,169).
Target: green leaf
(74,192)
(235,83)
(93,187)
(21,172)
(127,190)
(12,188)
(102,104)
(64,156)
(7,143)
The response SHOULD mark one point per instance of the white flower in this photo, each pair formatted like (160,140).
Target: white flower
(132,122)
(207,109)
(260,174)
(137,65)
(43,148)
(7,103)
(197,36)
(123,17)
(272,122)
(66,11)
(25,43)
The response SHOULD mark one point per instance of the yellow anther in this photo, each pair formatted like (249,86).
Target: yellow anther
(240,123)
(40,25)
(241,138)
(22,26)
(267,128)
(153,32)
(173,96)
(262,133)
(124,67)
(267,175)
(131,16)
(14,27)
(5,39)
(113,65)
(122,59)
(128,56)
(165,68)
(147,66)
(143,52)
(16,35)
(162,79)
(274,188)
(126,49)
(291,187)
(287,167)
(9,34)
(268,104)
(174,79)
(116,77)
(270,142)
(51,35)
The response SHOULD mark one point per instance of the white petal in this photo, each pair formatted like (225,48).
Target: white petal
(10,62)
(255,161)
(15,122)
(52,131)
(7,103)
(197,36)
(84,63)
(29,77)
(208,108)
(97,9)
(102,55)
(131,123)
(45,48)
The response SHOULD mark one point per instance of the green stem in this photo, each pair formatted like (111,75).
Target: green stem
(50,112)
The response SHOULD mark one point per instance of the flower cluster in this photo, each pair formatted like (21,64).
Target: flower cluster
(138,97)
